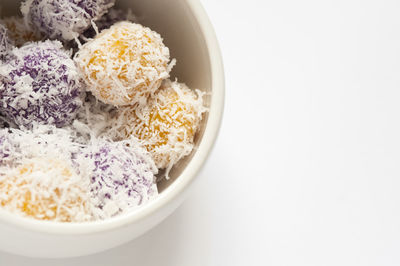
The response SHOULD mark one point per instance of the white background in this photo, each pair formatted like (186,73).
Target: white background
(306,169)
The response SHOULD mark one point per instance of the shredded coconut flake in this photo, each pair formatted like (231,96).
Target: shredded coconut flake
(93,119)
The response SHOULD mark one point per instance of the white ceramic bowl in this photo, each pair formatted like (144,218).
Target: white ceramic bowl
(191,39)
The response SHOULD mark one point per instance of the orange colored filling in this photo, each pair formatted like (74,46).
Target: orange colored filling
(38,206)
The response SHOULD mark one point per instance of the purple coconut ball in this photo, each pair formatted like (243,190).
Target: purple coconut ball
(123,177)
(5,43)
(40,85)
(64,19)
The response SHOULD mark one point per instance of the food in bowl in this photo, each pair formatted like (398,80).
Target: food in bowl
(89,131)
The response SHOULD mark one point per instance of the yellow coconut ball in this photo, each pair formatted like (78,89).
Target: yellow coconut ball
(19,33)
(45,189)
(124,64)
(167,125)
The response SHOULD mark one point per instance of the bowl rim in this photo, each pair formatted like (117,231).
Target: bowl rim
(187,176)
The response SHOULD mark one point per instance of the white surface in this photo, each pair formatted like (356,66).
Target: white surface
(306,169)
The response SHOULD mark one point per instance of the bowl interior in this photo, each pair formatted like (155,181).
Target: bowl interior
(183,36)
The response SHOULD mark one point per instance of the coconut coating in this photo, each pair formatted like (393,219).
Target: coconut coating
(19,32)
(93,119)
(45,189)
(124,64)
(41,85)
(167,125)
(5,42)
(122,178)
(40,141)
(64,19)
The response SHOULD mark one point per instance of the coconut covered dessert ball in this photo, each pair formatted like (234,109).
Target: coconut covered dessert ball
(64,19)
(166,126)
(5,42)
(19,32)
(41,85)
(124,64)
(45,189)
(122,178)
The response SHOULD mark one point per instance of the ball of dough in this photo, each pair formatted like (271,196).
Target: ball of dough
(40,85)
(124,64)
(167,125)
(122,178)
(45,189)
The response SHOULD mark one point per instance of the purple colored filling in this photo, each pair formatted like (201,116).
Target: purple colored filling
(120,172)
(42,85)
